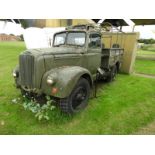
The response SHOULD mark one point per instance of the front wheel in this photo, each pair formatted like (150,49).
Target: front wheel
(78,99)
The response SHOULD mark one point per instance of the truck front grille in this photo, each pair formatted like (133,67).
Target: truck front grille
(26,66)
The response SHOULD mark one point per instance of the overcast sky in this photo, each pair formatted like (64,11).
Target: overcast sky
(146,32)
(10,28)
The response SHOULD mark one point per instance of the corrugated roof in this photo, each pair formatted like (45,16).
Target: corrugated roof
(144,21)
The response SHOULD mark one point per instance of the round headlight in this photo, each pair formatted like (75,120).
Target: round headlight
(14,74)
(50,81)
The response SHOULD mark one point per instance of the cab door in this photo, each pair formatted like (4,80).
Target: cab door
(94,52)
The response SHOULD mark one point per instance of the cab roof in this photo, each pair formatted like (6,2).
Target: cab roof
(80,28)
(77,30)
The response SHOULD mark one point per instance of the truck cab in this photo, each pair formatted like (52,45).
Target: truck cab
(85,47)
(68,69)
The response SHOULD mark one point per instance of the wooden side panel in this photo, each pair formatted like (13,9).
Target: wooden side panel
(128,41)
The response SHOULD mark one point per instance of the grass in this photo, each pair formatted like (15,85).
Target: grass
(148,47)
(145,52)
(145,66)
(122,107)
(147,130)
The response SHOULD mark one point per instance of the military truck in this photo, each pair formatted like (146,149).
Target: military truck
(68,69)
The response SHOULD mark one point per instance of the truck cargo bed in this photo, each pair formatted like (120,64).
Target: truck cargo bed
(110,56)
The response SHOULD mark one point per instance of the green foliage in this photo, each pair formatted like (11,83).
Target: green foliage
(41,111)
(21,37)
(147,41)
(24,23)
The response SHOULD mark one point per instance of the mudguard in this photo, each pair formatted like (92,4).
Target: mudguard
(65,79)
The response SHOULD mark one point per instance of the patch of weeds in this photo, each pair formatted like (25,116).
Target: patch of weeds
(41,112)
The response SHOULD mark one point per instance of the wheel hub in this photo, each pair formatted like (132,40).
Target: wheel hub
(79,97)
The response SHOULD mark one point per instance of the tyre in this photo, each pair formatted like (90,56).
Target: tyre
(112,74)
(78,99)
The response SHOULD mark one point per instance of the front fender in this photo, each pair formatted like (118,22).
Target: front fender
(65,80)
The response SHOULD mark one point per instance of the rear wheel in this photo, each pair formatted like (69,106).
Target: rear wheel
(78,99)
(113,74)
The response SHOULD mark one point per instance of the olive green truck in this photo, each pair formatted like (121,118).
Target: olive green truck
(68,69)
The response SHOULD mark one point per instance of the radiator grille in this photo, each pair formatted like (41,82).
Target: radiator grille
(26,65)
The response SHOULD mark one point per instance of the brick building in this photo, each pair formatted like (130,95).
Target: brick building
(6,37)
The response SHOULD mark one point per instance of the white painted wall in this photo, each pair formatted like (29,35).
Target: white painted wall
(39,37)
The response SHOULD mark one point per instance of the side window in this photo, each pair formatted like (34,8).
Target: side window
(90,28)
(115,46)
(95,41)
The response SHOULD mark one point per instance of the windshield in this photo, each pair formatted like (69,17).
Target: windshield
(59,39)
(73,38)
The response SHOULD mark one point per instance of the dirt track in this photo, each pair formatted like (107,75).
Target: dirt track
(144,75)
